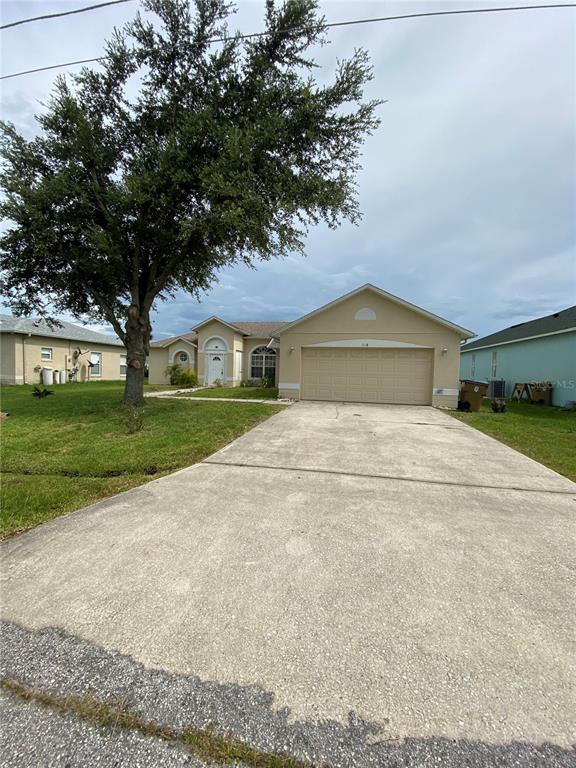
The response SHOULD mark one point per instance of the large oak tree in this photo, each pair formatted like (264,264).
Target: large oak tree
(175,158)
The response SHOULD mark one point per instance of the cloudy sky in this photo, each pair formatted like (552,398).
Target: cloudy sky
(467,188)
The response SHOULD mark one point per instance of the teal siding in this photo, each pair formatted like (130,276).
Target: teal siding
(550,358)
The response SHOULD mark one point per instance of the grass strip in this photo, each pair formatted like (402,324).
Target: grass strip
(83,445)
(206,744)
(238,393)
(544,433)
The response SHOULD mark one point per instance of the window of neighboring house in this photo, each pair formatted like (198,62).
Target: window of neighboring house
(46,353)
(494,362)
(263,363)
(123,365)
(473,368)
(96,360)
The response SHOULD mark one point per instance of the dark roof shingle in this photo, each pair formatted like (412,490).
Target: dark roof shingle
(559,321)
(190,336)
(260,329)
(257,329)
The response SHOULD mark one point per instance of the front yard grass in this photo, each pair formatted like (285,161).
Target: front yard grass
(242,393)
(71,449)
(546,434)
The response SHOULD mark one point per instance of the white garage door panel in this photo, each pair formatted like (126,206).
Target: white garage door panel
(402,376)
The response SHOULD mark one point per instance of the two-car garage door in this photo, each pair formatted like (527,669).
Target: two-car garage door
(402,376)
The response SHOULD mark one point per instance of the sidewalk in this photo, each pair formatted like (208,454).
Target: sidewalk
(177,393)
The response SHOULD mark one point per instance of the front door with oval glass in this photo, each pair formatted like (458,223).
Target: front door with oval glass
(215,368)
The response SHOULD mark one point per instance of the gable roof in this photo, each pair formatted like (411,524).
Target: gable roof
(255,329)
(465,333)
(191,338)
(559,322)
(215,318)
(38,327)
(259,329)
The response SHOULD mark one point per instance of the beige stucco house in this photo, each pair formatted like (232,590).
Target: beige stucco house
(367,346)
(27,346)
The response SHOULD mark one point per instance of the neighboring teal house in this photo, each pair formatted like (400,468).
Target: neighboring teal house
(539,350)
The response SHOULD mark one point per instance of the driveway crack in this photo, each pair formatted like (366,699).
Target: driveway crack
(382,476)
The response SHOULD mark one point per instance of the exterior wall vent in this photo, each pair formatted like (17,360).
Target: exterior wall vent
(365,314)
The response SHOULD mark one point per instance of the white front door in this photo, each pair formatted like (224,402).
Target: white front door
(215,368)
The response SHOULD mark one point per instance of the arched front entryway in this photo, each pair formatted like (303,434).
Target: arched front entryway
(215,351)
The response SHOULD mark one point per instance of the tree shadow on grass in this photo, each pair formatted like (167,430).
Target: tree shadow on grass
(57,663)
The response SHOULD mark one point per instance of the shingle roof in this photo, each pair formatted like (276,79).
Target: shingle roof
(262,330)
(559,321)
(191,336)
(37,327)
(257,329)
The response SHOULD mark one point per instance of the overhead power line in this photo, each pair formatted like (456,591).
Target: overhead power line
(423,14)
(331,24)
(63,13)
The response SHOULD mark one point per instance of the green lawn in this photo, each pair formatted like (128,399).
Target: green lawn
(544,433)
(243,393)
(72,448)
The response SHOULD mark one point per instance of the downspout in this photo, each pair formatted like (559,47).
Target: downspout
(277,369)
(24,358)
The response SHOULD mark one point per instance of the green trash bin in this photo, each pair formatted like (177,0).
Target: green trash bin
(472,391)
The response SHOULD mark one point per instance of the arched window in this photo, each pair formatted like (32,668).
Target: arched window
(263,363)
(216,344)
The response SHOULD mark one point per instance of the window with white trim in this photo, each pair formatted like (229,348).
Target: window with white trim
(123,365)
(182,358)
(494,362)
(263,363)
(46,353)
(96,360)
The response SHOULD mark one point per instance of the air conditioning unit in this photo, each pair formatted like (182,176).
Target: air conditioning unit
(497,388)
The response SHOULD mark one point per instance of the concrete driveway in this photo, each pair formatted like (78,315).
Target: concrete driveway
(351,583)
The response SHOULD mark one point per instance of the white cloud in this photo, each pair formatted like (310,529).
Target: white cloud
(467,188)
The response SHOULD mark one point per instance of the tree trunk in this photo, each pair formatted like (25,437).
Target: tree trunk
(138,332)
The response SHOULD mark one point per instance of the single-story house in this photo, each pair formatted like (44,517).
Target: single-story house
(28,345)
(366,346)
(541,350)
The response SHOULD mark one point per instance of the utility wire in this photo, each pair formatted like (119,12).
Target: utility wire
(332,24)
(52,66)
(63,13)
(420,15)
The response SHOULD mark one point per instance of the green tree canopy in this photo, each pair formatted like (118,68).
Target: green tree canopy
(178,157)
